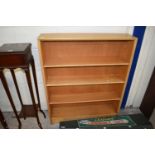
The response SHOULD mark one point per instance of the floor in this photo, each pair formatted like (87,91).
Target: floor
(152,119)
(31,123)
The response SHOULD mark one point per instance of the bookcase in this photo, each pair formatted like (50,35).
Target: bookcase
(85,74)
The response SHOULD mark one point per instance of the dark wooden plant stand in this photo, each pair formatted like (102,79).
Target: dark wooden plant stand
(3,121)
(14,56)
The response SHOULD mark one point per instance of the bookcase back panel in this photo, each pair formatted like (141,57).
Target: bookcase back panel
(86,52)
(61,112)
(88,93)
(85,75)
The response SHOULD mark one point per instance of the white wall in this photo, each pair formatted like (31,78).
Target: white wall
(144,69)
(30,34)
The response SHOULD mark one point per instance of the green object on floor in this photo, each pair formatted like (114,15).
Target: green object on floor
(107,122)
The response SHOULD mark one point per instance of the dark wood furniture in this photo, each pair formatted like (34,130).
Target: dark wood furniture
(3,121)
(148,103)
(14,56)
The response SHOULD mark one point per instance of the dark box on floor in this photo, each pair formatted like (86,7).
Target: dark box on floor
(135,121)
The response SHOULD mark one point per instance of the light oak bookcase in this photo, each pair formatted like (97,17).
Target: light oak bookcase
(85,74)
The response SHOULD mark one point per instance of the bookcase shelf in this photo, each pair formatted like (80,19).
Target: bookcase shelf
(85,75)
(85,65)
(72,82)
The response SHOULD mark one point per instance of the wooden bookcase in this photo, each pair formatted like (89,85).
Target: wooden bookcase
(85,74)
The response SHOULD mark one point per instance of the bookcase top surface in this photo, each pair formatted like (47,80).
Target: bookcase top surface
(84,36)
